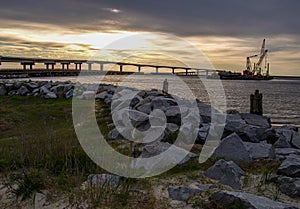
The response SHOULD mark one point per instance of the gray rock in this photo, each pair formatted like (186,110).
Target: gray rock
(171,128)
(244,131)
(234,118)
(282,142)
(32,85)
(155,149)
(227,173)
(173,111)
(162,103)
(103,180)
(289,186)
(280,129)
(232,148)
(182,193)
(137,117)
(108,99)
(135,100)
(23,91)
(260,150)
(268,135)
(202,134)
(256,120)
(290,166)
(3,90)
(205,112)
(44,90)
(69,94)
(295,141)
(50,95)
(201,137)
(13,92)
(59,90)
(188,133)
(283,153)
(101,95)
(145,108)
(154,93)
(37,90)
(244,200)
(114,134)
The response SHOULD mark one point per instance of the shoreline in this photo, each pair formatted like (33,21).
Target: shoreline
(258,146)
(69,95)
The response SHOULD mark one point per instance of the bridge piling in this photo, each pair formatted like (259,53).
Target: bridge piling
(63,64)
(121,69)
(27,63)
(90,67)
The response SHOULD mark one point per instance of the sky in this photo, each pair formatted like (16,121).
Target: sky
(225,31)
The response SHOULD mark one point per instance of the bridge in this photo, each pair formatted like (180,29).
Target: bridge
(50,69)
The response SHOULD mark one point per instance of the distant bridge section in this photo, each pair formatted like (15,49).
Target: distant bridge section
(50,66)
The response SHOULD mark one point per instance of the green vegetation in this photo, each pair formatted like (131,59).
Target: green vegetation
(39,150)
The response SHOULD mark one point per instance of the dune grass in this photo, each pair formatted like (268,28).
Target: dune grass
(39,150)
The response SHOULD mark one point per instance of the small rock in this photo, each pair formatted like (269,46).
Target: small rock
(69,94)
(282,142)
(145,108)
(174,155)
(44,90)
(101,95)
(244,131)
(260,150)
(256,120)
(227,173)
(232,148)
(50,95)
(59,90)
(3,90)
(114,134)
(295,141)
(289,186)
(290,166)
(137,117)
(171,128)
(268,135)
(283,153)
(23,91)
(182,193)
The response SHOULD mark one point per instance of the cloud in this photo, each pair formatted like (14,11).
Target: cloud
(188,18)
(227,31)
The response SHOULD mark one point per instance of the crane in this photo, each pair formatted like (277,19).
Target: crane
(248,62)
(256,71)
(263,54)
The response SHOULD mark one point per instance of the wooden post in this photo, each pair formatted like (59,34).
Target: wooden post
(165,87)
(256,103)
(121,69)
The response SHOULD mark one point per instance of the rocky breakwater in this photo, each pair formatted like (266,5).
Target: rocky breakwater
(246,138)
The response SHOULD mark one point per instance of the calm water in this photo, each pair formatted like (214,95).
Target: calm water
(281,98)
